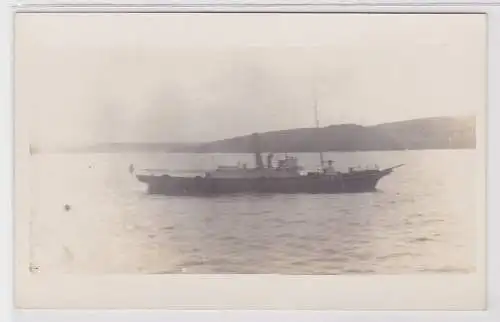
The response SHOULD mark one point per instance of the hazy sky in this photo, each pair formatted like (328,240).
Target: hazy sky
(87,78)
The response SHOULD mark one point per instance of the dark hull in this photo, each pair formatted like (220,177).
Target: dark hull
(364,181)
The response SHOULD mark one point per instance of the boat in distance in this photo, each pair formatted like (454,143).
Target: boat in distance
(287,177)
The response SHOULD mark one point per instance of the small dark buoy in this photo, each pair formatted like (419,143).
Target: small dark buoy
(67,207)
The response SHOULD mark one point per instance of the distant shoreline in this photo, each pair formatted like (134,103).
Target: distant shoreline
(438,133)
(263,152)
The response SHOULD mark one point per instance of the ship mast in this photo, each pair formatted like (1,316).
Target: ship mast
(321,159)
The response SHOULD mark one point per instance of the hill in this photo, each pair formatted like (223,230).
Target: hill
(428,133)
(418,134)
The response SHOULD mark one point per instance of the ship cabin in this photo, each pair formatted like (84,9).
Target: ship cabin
(288,163)
(285,168)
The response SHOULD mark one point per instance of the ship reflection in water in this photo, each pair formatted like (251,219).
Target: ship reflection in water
(412,223)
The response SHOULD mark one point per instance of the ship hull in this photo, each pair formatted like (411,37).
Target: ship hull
(365,181)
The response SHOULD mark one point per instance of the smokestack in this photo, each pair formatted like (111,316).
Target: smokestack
(256,148)
(270,160)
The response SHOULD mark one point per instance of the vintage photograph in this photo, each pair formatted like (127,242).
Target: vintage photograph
(245,143)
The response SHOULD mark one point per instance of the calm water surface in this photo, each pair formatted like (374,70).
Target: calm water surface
(422,219)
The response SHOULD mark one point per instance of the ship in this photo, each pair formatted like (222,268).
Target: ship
(284,177)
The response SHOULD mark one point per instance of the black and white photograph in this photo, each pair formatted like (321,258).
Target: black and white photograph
(252,143)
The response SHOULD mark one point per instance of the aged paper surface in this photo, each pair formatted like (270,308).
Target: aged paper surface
(111,107)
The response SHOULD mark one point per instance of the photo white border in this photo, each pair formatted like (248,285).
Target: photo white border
(276,298)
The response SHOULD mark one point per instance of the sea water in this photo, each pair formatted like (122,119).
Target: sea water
(422,218)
